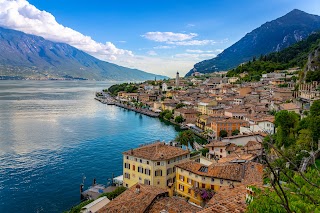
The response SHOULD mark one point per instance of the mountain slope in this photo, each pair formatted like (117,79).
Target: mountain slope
(270,37)
(28,56)
(304,54)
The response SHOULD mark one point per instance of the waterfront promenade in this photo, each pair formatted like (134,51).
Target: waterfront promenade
(107,99)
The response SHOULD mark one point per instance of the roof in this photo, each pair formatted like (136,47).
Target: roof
(156,151)
(132,202)
(289,106)
(224,171)
(228,200)
(217,144)
(172,205)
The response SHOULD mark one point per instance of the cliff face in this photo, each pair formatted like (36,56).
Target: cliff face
(312,68)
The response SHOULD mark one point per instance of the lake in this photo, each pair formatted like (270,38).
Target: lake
(52,133)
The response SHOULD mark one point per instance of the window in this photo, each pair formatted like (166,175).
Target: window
(162,163)
(212,187)
(212,179)
(158,163)
(127,157)
(136,159)
(221,181)
(146,181)
(168,162)
(133,167)
(169,171)
(169,181)
(174,169)
(196,184)
(220,156)
(158,182)
(127,165)
(147,162)
(189,181)
(147,171)
(203,185)
(126,175)
(140,160)
(181,177)
(158,173)
(220,150)
(181,187)
(189,190)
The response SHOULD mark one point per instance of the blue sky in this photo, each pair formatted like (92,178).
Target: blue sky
(156,36)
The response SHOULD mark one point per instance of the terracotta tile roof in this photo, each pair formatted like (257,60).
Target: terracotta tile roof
(172,205)
(132,202)
(228,200)
(226,171)
(217,144)
(289,106)
(236,156)
(156,151)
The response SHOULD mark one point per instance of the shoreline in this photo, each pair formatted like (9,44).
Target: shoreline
(109,100)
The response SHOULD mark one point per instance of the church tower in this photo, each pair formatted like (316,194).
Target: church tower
(177,80)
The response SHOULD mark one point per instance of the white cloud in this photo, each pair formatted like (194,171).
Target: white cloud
(194,56)
(193,42)
(21,15)
(164,47)
(152,53)
(199,51)
(191,25)
(168,36)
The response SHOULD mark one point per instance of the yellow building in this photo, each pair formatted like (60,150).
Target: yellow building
(193,177)
(152,164)
(205,104)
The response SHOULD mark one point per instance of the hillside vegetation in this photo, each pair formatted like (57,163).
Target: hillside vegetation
(294,56)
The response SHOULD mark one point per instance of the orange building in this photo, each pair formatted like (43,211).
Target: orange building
(228,125)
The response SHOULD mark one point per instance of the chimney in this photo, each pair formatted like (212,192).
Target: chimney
(137,188)
(131,151)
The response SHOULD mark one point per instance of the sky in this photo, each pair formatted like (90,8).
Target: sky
(160,37)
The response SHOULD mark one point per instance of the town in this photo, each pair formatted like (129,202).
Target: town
(233,117)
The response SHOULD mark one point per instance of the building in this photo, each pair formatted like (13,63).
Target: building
(192,177)
(189,114)
(219,149)
(177,80)
(141,198)
(229,125)
(205,104)
(152,164)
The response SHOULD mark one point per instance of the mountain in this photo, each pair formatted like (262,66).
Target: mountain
(27,56)
(304,54)
(270,37)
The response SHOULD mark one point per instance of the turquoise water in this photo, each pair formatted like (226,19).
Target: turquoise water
(54,133)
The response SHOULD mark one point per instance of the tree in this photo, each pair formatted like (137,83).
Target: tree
(186,138)
(223,133)
(168,115)
(315,108)
(179,119)
(179,105)
(286,123)
(301,195)
(235,132)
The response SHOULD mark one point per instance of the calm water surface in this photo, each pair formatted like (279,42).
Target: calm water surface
(52,133)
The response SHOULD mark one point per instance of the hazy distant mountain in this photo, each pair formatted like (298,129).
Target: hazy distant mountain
(28,56)
(270,37)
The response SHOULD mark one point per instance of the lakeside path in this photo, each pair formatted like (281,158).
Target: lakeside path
(112,101)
